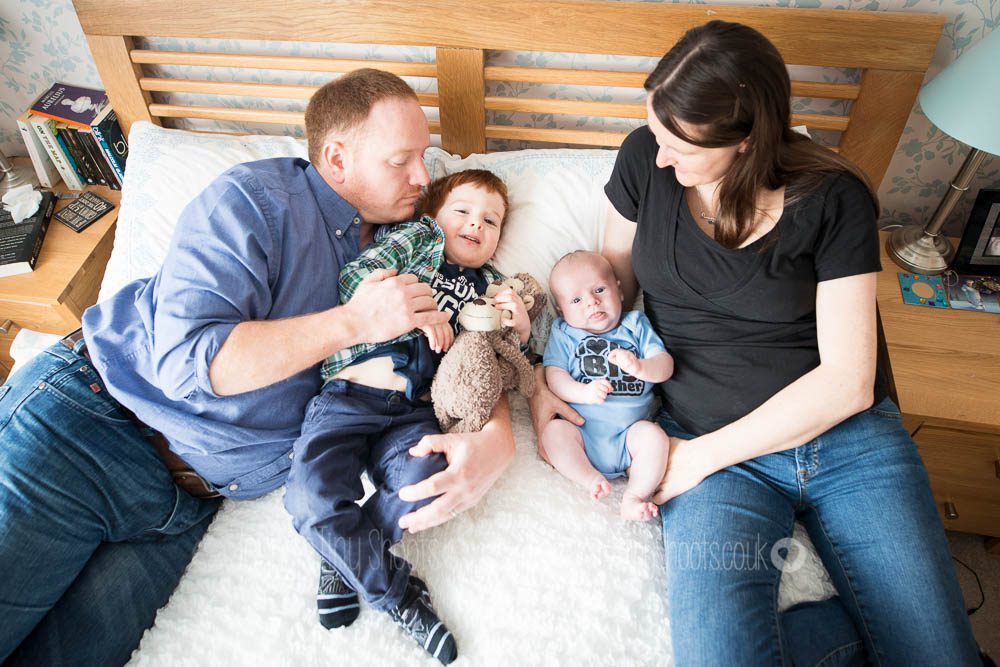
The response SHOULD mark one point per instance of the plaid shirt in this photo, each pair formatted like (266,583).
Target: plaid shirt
(415,247)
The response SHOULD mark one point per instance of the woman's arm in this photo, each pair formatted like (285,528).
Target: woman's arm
(475,462)
(618,236)
(838,388)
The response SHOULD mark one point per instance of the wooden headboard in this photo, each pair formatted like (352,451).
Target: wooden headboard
(892,50)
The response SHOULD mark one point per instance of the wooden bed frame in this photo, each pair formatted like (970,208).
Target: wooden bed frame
(892,50)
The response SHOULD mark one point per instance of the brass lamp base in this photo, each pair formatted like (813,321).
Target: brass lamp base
(919,252)
(18,174)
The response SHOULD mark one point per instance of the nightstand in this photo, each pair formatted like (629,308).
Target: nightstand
(65,281)
(946,369)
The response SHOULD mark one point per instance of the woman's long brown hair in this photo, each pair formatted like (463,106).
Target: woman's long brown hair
(730,83)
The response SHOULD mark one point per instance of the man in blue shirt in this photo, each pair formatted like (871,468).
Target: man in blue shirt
(219,352)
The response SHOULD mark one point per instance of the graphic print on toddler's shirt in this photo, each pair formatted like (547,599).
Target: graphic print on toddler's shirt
(592,360)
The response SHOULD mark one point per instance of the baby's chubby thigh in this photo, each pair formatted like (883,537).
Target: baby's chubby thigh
(646,444)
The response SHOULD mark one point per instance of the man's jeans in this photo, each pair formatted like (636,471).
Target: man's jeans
(350,428)
(863,495)
(94,535)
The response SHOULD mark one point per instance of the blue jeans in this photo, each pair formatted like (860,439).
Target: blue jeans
(862,493)
(349,428)
(94,534)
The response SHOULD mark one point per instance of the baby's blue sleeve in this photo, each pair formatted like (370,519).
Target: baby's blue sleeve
(559,349)
(647,341)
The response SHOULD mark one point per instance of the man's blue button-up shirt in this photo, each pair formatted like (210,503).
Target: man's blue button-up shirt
(266,240)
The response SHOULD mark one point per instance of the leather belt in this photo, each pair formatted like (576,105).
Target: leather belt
(184,476)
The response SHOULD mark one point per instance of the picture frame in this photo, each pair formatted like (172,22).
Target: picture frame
(979,250)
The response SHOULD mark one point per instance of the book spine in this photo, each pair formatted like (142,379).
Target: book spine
(103,131)
(43,129)
(66,141)
(60,119)
(36,248)
(89,144)
(45,168)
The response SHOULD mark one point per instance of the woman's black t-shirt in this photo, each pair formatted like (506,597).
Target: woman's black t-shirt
(740,323)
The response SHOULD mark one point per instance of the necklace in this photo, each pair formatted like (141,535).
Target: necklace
(710,219)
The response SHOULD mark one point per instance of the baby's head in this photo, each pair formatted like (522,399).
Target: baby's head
(587,294)
(470,207)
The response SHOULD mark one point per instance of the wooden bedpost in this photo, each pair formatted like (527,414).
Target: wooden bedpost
(461,90)
(121,79)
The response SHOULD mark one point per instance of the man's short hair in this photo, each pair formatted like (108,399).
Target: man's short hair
(343,104)
(439,189)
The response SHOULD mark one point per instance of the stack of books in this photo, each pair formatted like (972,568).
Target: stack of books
(21,242)
(72,133)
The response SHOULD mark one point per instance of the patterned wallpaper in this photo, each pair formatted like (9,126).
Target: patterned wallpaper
(41,42)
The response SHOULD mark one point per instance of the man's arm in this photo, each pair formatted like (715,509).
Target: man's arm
(260,353)
(838,388)
(475,463)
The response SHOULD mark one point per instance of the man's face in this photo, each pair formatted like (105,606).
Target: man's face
(383,166)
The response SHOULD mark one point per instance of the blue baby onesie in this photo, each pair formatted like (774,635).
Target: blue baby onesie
(585,357)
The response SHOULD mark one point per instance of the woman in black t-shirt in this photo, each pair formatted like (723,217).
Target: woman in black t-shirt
(756,251)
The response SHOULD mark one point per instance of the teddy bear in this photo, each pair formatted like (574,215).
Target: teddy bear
(485,360)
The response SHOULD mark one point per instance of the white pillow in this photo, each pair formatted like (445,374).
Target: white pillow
(557,202)
(166,170)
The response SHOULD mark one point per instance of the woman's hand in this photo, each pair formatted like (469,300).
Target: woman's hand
(686,468)
(546,406)
(475,462)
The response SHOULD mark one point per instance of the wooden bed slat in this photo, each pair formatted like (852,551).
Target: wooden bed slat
(583,77)
(635,111)
(552,135)
(236,89)
(289,63)
(266,116)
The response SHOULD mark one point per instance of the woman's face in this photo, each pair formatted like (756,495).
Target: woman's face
(693,165)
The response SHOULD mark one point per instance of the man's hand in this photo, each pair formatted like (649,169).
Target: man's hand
(386,306)
(439,336)
(475,462)
(511,301)
(627,361)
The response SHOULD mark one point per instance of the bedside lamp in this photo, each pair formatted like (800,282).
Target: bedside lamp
(961,101)
(13,175)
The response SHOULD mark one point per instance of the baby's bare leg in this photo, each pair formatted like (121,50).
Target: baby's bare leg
(649,447)
(563,445)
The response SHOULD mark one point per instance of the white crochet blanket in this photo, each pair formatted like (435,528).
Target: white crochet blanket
(537,573)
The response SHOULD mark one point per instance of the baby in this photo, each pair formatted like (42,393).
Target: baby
(605,366)
(374,406)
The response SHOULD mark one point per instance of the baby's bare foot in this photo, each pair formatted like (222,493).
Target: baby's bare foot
(635,509)
(600,488)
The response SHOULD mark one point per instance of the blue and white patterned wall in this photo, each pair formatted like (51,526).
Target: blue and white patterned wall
(41,42)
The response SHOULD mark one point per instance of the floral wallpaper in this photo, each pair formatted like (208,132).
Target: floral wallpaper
(41,42)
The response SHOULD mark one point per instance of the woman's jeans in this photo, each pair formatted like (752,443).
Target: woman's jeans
(862,493)
(94,534)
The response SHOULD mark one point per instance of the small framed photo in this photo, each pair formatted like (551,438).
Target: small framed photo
(979,251)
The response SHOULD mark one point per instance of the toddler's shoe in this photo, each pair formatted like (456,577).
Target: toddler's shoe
(418,619)
(336,602)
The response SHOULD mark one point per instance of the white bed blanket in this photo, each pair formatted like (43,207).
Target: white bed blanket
(537,573)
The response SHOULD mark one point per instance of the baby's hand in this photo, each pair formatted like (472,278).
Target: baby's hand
(439,336)
(510,301)
(625,360)
(596,392)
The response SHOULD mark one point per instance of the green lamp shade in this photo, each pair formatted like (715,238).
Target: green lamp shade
(964,99)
